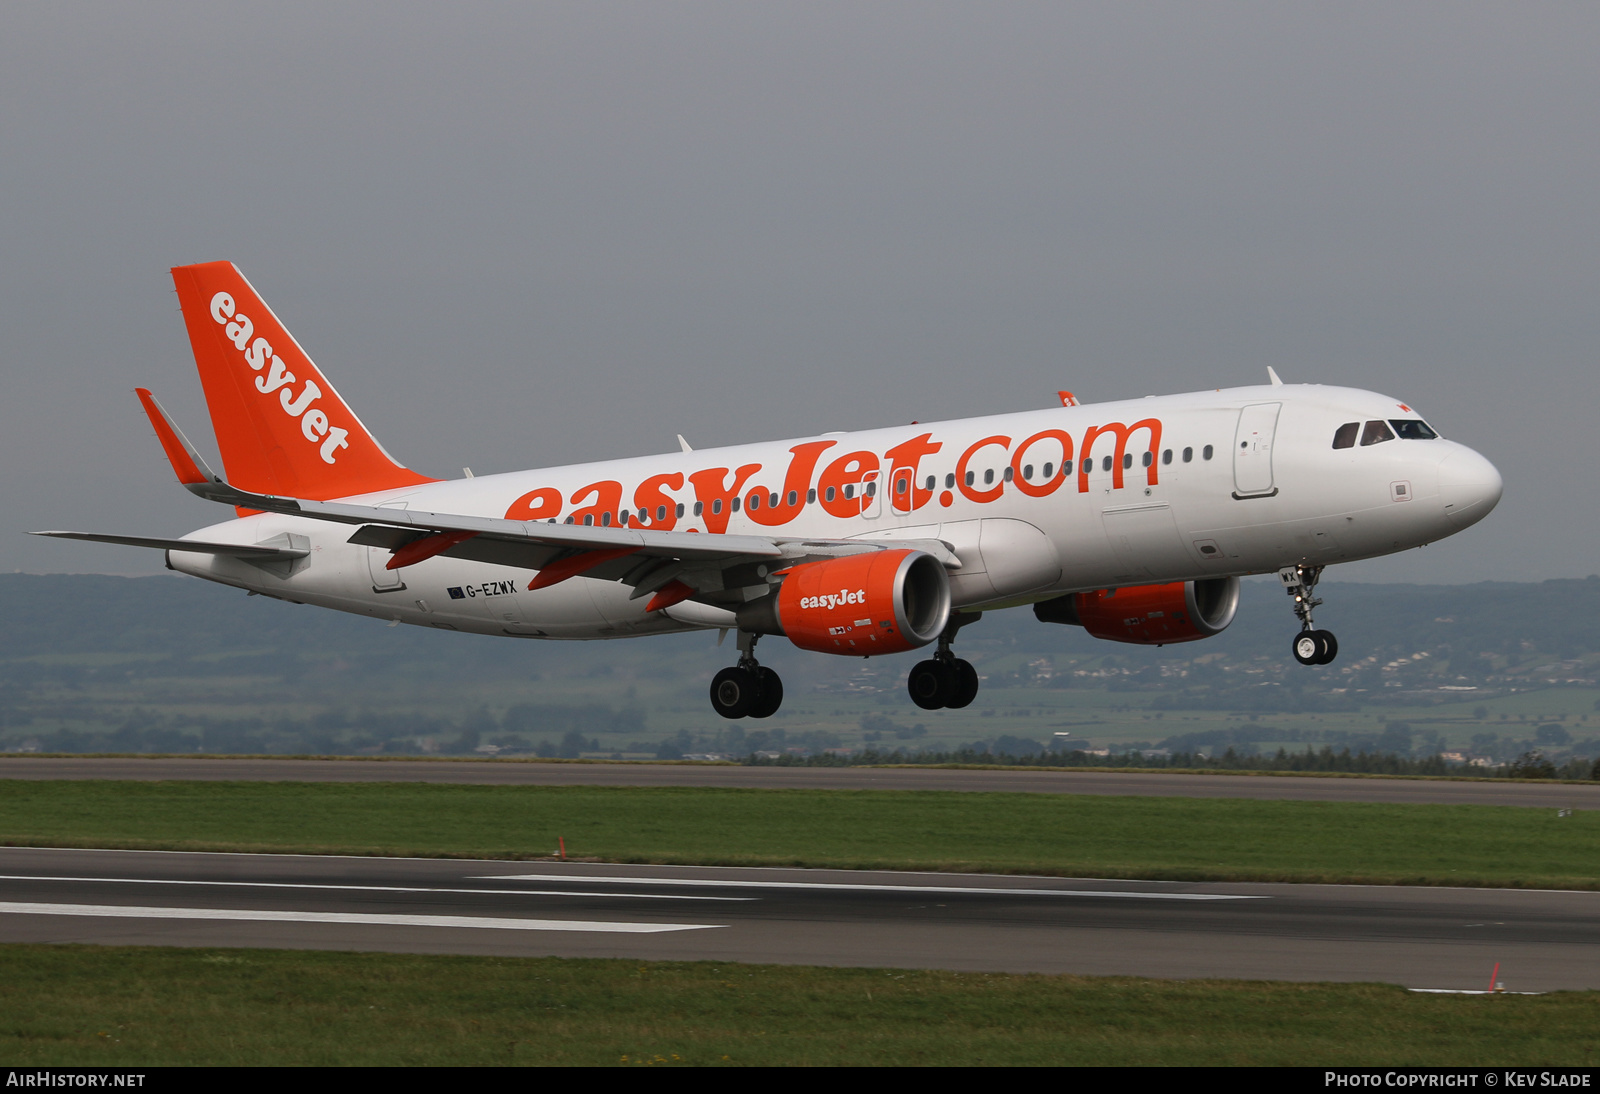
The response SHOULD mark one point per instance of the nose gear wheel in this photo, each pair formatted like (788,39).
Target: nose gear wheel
(1311,646)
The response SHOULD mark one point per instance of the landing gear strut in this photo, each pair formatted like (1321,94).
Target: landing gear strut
(748,689)
(944,680)
(1311,646)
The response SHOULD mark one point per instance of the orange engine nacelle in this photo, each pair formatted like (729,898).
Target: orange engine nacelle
(859,605)
(1149,615)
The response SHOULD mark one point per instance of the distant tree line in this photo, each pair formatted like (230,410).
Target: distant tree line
(1532,765)
(550,731)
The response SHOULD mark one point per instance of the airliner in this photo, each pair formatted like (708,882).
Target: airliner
(1134,519)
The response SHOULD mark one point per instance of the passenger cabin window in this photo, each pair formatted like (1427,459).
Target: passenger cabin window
(1188,455)
(1206,452)
(1105,464)
(1375,433)
(1345,435)
(1166,457)
(1413,429)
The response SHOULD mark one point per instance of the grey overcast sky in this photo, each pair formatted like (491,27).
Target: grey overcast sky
(528,234)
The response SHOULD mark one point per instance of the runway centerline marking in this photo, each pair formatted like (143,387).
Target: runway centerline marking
(371,888)
(846,886)
(363,919)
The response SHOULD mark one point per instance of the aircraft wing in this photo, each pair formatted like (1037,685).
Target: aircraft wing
(700,566)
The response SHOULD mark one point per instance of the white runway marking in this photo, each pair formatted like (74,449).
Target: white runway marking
(372,888)
(932,890)
(363,919)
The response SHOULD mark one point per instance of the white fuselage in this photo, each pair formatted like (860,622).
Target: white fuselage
(1238,481)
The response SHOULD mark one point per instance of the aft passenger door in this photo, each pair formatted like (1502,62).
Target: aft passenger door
(1252,451)
(385,580)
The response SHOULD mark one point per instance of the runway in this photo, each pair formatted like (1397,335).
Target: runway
(1419,937)
(1545,795)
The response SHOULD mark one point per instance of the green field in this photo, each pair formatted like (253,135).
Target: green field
(181,666)
(1064,835)
(130,1007)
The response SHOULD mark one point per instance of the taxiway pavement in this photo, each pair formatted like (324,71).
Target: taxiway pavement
(1535,794)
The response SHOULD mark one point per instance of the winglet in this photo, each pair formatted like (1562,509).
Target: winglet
(191,469)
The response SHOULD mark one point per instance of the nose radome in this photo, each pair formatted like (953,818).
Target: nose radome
(1469,486)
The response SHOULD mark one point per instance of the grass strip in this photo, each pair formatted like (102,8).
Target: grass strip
(132,1006)
(1065,835)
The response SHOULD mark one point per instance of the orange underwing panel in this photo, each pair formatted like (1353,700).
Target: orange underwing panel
(562,569)
(420,550)
(673,592)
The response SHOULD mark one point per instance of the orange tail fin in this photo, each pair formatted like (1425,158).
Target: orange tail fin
(281,427)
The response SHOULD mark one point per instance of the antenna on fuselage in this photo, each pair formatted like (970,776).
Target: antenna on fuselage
(1273,376)
(683,444)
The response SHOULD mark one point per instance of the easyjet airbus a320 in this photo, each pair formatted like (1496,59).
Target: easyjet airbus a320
(1133,520)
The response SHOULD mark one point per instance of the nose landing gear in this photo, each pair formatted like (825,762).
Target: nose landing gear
(1311,646)
(748,689)
(945,680)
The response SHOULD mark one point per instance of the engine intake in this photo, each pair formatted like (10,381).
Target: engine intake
(1149,615)
(860,605)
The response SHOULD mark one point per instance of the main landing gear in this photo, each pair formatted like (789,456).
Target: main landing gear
(1311,646)
(748,689)
(944,680)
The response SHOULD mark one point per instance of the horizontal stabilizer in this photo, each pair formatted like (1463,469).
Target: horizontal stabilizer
(250,551)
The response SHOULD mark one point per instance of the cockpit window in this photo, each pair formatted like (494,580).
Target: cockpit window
(1375,433)
(1413,429)
(1345,435)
